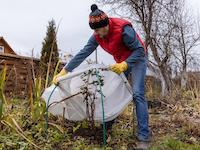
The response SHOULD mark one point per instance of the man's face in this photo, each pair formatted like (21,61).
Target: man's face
(102,32)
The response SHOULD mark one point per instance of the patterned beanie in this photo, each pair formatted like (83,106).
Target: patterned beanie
(97,18)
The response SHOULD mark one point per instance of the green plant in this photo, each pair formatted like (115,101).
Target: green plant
(56,69)
(173,144)
(7,119)
(2,96)
(39,106)
(49,54)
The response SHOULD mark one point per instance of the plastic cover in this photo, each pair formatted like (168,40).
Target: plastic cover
(83,81)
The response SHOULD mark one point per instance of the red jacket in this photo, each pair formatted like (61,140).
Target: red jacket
(113,42)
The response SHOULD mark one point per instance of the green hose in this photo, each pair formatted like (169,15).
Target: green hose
(102,105)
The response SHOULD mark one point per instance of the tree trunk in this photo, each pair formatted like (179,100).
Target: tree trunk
(165,82)
(184,79)
(165,77)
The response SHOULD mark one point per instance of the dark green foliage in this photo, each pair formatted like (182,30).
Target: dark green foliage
(49,46)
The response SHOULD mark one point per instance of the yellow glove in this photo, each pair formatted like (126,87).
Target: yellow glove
(119,67)
(62,73)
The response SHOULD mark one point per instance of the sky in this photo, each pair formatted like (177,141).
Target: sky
(23,24)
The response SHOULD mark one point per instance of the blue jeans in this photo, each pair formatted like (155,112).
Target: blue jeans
(138,73)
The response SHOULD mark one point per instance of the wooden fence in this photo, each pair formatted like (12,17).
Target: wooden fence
(19,74)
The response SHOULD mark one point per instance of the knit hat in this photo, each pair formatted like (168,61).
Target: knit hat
(97,18)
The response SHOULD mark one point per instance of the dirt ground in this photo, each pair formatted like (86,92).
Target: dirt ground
(173,126)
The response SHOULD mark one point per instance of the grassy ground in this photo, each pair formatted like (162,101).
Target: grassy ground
(174,127)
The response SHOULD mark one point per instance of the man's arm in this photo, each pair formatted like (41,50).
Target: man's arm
(82,54)
(132,42)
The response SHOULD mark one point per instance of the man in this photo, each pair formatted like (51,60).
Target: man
(118,38)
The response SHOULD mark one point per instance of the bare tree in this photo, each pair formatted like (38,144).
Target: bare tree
(187,37)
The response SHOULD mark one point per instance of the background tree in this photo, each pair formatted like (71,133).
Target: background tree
(49,54)
(187,37)
(157,21)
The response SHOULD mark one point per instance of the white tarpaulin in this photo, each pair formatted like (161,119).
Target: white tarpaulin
(75,86)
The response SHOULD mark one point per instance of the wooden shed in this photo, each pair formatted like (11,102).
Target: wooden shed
(5,47)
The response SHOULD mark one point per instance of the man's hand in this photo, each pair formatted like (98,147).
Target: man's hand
(62,73)
(119,67)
